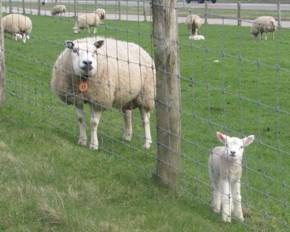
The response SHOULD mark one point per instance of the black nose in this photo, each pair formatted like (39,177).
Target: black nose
(233,153)
(87,62)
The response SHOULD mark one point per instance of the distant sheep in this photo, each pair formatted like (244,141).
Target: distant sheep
(18,25)
(105,73)
(87,20)
(58,9)
(264,24)
(225,171)
(101,12)
(194,22)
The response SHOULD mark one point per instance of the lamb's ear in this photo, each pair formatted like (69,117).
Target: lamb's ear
(221,137)
(99,43)
(69,44)
(248,140)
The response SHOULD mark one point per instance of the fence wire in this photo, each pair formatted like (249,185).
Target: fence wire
(229,83)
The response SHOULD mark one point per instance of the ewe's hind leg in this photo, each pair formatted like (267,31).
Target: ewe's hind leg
(95,119)
(127,131)
(145,116)
(82,125)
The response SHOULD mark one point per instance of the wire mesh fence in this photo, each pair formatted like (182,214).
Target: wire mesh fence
(229,82)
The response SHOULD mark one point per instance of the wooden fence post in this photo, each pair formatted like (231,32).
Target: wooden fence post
(279,13)
(119,9)
(38,7)
(10,6)
(239,14)
(165,33)
(75,9)
(96,4)
(2,59)
(144,11)
(205,13)
(23,6)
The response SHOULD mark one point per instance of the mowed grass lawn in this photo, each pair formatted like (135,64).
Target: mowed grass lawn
(229,83)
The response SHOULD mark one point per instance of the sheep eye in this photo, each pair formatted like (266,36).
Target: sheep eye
(75,50)
(241,147)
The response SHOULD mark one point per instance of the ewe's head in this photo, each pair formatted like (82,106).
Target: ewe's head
(234,147)
(84,57)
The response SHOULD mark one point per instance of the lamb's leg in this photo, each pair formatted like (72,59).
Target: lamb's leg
(127,131)
(146,125)
(216,197)
(82,125)
(226,201)
(237,200)
(95,119)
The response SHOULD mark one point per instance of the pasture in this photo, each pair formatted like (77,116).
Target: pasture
(229,83)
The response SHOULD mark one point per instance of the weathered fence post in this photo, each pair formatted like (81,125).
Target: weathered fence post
(2,59)
(168,91)
(23,6)
(38,7)
(205,13)
(279,13)
(10,6)
(144,11)
(239,14)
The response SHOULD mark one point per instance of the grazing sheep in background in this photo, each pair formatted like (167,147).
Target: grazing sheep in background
(18,25)
(106,73)
(225,171)
(193,22)
(58,9)
(87,20)
(101,12)
(264,24)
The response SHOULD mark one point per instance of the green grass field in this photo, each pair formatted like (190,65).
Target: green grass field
(229,83)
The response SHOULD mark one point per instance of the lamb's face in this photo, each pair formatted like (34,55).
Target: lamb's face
(84,57)
(234,147)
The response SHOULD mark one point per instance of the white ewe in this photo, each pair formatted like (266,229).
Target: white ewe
(18,25)
(225,171)
(58,10)
(264,24)
(106,73)
(87,20)
(194,22)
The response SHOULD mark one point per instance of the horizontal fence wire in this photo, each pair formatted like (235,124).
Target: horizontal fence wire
(230,82)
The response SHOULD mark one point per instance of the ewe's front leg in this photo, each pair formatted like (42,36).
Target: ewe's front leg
(146,125)
(95,119)
(237,201)
(127,131)
(226,201)
(82,125)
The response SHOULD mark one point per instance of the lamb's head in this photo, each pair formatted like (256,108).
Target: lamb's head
(234,147)
(84,57)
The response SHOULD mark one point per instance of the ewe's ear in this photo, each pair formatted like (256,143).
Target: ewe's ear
(69,44)
(99,43)
(221,137)
(248,140)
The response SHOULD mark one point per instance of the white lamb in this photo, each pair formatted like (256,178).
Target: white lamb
(101,12)
(194,22)
(264,24)
(18,25)
(225,171)
(58,10)
(87,20)
(105,73)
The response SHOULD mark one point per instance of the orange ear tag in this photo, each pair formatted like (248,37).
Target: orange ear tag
(83,86)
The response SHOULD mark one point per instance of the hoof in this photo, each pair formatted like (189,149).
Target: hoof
(147,145)
(127,137)
(94,146)
(82,142)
